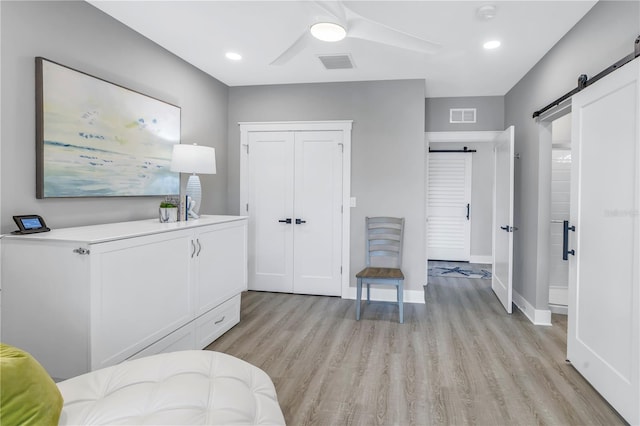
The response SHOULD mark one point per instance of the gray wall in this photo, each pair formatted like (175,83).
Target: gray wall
(489,114)
(602,37)
(387,170)
(481,194)
(80,36)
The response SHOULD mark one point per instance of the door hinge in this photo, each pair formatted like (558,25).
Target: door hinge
(82,250)
(246,145)
(341,270)
(247,207)
(341,146)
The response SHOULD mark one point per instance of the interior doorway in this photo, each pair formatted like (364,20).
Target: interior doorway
(560,203)
(481,193)
(555,192)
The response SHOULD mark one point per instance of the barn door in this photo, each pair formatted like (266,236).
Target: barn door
(603,334)
(449,206)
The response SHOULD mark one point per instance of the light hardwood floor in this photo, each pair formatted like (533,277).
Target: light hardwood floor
(459,359)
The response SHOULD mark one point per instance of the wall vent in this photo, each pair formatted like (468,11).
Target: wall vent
(336,62)
(462,115)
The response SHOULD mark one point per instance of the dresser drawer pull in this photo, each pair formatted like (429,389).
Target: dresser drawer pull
(220,320)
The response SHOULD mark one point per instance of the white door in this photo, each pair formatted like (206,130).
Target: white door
(449,204)
(502,271)
(271,186)
(318,213)
(603,335)
(295,212)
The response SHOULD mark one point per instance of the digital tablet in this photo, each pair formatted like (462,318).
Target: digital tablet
(30,224)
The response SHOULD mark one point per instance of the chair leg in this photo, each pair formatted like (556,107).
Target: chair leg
(358,298)
(368,293)
(401,301)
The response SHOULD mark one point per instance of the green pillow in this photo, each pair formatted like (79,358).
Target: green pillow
(28,396)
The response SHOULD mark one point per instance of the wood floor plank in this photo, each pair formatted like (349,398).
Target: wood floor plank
(458,359)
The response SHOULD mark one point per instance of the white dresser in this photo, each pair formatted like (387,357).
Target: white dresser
(83,298)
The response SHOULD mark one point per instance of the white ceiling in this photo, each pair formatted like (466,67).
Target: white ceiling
(201,32)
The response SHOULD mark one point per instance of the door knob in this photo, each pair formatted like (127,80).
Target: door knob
(505,228)
(287,220)
(299,221)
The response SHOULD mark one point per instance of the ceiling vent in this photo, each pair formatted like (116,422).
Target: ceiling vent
(462,115)
(336,62)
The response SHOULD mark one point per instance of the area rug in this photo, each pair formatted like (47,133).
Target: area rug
(466,271)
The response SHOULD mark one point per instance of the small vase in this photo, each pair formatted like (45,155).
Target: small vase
(168,214)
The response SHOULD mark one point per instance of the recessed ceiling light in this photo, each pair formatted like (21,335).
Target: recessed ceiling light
(328,31)
(233,56)
(493,44)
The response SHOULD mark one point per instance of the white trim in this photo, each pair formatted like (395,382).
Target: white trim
(536,316)
(386,295)
(462,136)
(559,309)
(558,295)
(292,126)
(280,126)
(481,259)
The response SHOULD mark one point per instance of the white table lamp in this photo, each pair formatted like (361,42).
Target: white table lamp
(193,159)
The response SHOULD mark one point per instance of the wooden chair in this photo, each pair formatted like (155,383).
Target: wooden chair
(384,258)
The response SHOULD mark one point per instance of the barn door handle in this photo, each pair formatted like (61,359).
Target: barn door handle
(467,211)
(299,221)
(287,220)
(565,240)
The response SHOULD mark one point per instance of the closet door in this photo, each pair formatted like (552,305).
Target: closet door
(271,186)
(318,213)
(295,212)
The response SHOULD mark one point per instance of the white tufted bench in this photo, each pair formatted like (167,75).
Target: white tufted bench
(185,388)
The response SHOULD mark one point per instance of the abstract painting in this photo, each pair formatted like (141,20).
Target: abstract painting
(98,139)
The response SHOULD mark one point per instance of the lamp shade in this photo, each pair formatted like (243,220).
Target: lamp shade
(193,159)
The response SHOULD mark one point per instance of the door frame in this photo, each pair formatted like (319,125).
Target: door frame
(480,136)
(295,126)
(544,122)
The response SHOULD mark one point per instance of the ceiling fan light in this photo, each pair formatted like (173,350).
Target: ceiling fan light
(493,44)
(328,31)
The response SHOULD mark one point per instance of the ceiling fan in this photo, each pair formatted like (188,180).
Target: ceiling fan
(345,22)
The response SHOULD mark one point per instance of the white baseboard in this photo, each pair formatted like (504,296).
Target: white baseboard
(481,259)
(384,294)
(558,295)
(536,316)
(559,309)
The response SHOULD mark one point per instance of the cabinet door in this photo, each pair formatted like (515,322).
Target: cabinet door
(220,264)
(45,304)
(140,293)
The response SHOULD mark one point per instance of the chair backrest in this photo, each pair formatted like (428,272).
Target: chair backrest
(384,241)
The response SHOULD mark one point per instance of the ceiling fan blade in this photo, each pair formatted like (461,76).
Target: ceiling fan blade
(362,28)
(297,47)
(335,9)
